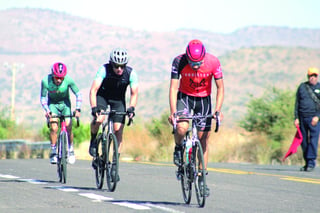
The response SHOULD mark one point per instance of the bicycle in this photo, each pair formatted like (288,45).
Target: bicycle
(62,148)
(107,156)
(192,158)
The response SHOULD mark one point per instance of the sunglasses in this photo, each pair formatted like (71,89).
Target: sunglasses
(58,78)
(193,63)
(117,66)
(313,75)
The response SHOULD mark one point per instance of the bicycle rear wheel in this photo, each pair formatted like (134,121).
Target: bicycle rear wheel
(112,162)
(186,183)
(100,162)
(200,181)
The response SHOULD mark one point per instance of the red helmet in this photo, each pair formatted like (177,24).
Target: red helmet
(59,69)
(195,50)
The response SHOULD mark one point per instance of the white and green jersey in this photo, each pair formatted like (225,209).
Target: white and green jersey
(58,94)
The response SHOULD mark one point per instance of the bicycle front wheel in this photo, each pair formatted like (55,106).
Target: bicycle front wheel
(59,163)
(100,161)
(62,157)
(200,180)
(112,162)
(186,183)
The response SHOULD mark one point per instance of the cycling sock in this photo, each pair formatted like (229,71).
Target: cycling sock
(93,136)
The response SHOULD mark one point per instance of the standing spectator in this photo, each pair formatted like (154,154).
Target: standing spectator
(307,113)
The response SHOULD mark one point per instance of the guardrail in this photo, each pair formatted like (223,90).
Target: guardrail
(18,148)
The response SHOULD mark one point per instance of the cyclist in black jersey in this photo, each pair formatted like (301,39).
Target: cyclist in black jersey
(109,88)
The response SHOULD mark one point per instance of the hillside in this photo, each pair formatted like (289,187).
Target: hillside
(251,58)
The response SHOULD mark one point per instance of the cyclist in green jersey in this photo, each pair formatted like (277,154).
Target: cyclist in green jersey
(55,99)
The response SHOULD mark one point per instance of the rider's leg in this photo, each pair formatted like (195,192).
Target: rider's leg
(53,139)
(204,138)
(69,129)
(53,131)
(118,131)
(181,130)
(94,128)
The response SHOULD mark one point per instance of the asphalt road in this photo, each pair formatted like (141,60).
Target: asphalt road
(32,186)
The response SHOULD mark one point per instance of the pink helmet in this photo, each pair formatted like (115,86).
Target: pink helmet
(59,70)
(195,50)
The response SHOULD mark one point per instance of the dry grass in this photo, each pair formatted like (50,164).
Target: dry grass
(228,145)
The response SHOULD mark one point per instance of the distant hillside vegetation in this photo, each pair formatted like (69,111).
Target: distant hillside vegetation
(252,58)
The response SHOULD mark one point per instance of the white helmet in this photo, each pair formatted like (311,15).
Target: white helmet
(119,56)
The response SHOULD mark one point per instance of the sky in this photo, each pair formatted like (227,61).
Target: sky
(223,16)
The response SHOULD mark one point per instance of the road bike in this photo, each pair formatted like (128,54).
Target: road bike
(106,161)
(62,146)
(192,168)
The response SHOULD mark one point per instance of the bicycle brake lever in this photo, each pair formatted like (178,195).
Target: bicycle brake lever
(130,121)
(217,114)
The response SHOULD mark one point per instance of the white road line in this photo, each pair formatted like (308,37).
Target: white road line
(162,208)
(9,176)
(132,205)
(33,181)
(64,188)
(95,196)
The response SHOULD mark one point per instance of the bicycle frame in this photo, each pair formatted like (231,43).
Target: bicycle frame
(190,171)
(63,146)
(108,159)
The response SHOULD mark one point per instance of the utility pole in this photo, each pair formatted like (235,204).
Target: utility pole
(14,68)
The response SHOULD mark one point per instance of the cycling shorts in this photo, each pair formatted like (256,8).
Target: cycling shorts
(117,105)
(61,109)
(199,105)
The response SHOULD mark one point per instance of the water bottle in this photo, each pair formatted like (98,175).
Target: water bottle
(188,150)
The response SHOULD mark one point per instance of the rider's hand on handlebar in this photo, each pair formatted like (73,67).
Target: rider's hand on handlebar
(48,114)
(171,118)
(130,112)
(77,113)
(219,114)
(95,111)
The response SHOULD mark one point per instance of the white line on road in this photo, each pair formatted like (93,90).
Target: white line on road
(132,205)
(8,176)
(95,197)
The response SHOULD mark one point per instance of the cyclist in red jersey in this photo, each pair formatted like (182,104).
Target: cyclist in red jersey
(190,89)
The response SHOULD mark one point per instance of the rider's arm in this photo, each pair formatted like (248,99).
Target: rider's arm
(173,94)
(93,92)
(43,96)
(134,88)
(101,74)
(220,94)
(77,93)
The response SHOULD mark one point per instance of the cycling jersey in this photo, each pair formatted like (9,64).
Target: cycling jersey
(196,83)
(114,86)
(58,94)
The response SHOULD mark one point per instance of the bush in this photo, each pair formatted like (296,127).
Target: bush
(7,127)
(271,115)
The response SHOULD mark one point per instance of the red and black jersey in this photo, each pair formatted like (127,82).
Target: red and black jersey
(196,83)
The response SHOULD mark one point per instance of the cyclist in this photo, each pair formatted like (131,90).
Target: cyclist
(109,88)
(55,99)
(195,69)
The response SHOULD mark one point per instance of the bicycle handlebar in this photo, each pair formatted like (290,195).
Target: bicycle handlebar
(113,112)
(182,116)
(64,116)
